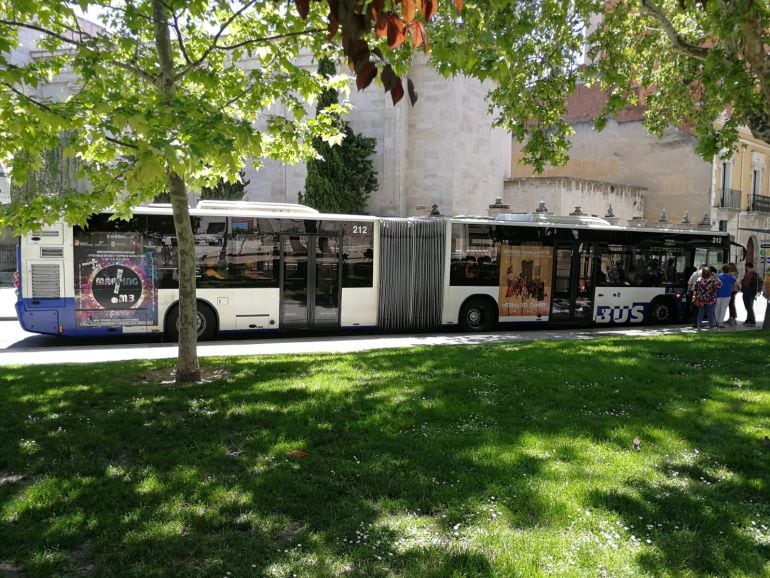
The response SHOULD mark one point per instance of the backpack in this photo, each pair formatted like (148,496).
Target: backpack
(753,284)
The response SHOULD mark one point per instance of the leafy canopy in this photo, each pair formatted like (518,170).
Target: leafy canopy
(690,61)
(128,134)
(701,64)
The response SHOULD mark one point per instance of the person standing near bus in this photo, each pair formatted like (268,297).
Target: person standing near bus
(732,320)
(723,295)
(705,297)
(691,281)
(749,285)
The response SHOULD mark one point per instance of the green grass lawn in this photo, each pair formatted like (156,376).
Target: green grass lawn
(501,460)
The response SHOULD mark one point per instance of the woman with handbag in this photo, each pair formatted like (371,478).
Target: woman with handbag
(705,297)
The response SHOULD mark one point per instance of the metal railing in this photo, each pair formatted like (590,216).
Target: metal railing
(7,257)
(729,199)
(759,203)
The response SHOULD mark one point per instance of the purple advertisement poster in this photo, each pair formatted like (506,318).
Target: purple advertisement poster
(114,281)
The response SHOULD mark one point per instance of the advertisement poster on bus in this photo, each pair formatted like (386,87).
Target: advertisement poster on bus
(114,281)
(525,282)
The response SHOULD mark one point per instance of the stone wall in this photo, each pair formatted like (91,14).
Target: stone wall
(674,177)
(442,151)
(562,194)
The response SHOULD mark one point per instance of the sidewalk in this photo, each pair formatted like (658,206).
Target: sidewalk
(7,302)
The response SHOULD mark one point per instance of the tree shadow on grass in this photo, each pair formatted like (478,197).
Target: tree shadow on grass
(200,480)
(182,478)
(692,530)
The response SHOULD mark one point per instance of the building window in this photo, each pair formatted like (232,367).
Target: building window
(756,181)
(723,225)
(727,174)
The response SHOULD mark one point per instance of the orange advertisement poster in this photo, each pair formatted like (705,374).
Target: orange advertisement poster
(525,282)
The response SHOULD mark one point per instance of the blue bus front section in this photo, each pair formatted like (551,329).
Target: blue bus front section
(57,317)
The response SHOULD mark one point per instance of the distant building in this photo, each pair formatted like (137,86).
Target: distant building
(653,176)
(441,151)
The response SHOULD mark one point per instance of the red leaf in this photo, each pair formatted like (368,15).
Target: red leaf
(459,4)
(425,41)
(381,25)
(408,10)
(358,50)
(366,75)
(416,34)
(412,92)
(397,92)
(303,7)
(388,77)
(376,8)
(427,8)
(396,31)
(419,36)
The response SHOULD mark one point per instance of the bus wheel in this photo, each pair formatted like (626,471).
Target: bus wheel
(478,314)
(207,323)
(662,311)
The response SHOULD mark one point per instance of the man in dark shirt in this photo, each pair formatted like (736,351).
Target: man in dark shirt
(749,289)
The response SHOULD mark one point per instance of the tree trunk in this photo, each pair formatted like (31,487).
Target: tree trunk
(187,368)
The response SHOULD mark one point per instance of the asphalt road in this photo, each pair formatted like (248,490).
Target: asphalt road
(17,347)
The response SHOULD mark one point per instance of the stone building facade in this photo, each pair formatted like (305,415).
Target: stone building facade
(441,151)
(732,193)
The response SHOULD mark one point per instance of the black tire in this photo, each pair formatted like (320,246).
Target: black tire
(207,323)
(662,311)
(478,314)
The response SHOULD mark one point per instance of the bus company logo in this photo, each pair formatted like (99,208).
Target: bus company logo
(117,287)
(620,313)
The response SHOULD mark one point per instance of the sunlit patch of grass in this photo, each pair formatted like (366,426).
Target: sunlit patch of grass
(503,460)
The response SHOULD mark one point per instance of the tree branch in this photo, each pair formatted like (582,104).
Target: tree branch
(678,43)
(47,108)
(51,33)
(753,48)
(80,44)
(140,72)
(29,99)
(270,38)
(77,29)
(120,142)
(179,39)
(195,64)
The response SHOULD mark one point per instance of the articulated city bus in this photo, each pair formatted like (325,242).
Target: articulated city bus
(265,267)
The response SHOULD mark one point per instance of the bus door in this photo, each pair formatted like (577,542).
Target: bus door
(310,281)
(573,283)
